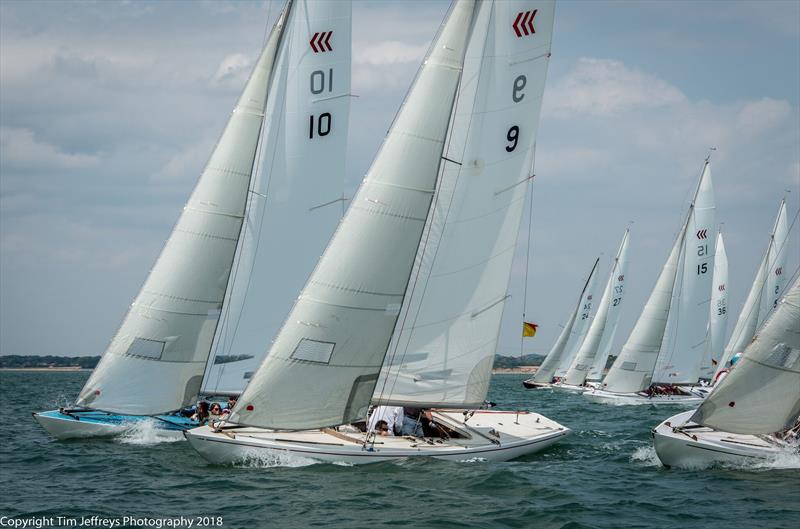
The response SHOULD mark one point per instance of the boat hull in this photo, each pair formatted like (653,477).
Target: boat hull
(87,424)
(600,396)
(700,447)
(530,384)
(569,388)
(519,434)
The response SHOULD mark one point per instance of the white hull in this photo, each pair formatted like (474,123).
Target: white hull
(570,388)
(632,399)
(518,434)
(71,429)
(699,447)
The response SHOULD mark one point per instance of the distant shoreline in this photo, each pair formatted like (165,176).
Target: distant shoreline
(515,370)
(51,369)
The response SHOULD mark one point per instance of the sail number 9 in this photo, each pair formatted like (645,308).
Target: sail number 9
(516,95)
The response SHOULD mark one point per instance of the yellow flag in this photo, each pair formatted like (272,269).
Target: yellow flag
(528,329)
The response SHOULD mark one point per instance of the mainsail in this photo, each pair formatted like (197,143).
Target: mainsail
(591,359)
(684,344)
(569,340)
(304,146)
(766,285)
(633,369)
(718,316)
(444,346)
(323,365)
(156,360)
(761,394)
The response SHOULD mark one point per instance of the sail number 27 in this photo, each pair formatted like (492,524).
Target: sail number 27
(319,82)
(516,95)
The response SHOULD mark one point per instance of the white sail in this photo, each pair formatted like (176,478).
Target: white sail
(761,394)
(776,280)
(632,371)
(300,186)
(443,350)
(156,360)
(581,326)
(753,311)
(591,359)
(323,365)
(682,351)
(718,315)
(551,363)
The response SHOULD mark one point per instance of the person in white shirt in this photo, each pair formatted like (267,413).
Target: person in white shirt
(392,415)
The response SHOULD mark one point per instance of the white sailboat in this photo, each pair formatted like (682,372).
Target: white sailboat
(380,320)
(570,338)
(156,361)
(718,315)
(763,294)
(667,343)
(590,362)
(754,412)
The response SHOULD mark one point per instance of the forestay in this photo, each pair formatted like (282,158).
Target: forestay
(761,395)
(718,315)
(300,184)
(155,362)
(443,350)
(754,312)
(546,371)
(684,345)
(322,368)
(591,359)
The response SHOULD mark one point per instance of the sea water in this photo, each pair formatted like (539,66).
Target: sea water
(605,475)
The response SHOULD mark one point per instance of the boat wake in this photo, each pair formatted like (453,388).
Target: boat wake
(261,458)
(147,433)
(645,456)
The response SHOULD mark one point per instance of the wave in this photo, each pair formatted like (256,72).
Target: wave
(148,432)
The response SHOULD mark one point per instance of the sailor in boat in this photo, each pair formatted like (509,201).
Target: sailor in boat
(382,429)
(231,403)
(201,413)
(415,420)
(392,415)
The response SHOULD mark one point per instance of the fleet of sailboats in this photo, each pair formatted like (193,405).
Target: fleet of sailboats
(404,306)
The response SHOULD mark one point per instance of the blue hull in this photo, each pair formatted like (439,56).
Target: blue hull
(72,424)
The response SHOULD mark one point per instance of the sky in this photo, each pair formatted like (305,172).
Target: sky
(108,111)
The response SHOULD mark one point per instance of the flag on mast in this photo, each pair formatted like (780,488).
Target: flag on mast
(529,329)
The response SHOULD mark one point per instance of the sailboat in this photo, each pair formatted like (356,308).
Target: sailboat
(404,307)
(569,340)
(155,363)
(718,315)
(754,412)
(763,294)
(667,344)
(593,353)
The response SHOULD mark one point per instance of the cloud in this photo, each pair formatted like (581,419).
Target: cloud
(186,164)
(758,116)
(19,149)
(234,69)
(603,87)
(388,52)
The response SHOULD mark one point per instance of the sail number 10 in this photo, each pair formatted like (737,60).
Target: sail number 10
(319,82)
